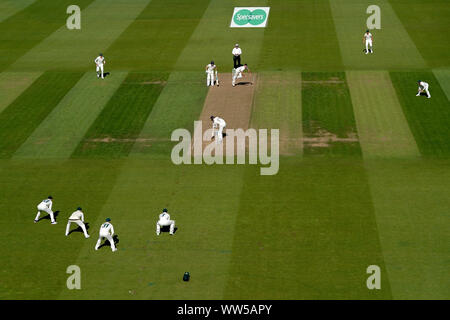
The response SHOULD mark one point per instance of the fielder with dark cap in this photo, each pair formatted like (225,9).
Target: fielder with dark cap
(164,220)
(77,217)
(106,231)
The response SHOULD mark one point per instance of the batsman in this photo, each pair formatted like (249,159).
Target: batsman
(211,74)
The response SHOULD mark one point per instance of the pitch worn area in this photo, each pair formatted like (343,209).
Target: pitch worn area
(233,104)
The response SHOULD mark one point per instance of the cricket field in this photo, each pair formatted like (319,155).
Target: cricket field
(364,163)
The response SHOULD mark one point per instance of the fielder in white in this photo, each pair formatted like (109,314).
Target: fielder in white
(99,62)
(211,74)
(46,206)
(367,38)
(106,231)
(423,87)
(164,220)
(219,124)
(77,217)
(237,73)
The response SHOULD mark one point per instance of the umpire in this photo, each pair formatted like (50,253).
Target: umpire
(236,56)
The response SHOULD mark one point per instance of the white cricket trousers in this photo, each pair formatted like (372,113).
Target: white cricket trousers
(45,209)
(100,68)
(108,237)
(236,75)
(368,44)
(163,223)
(426,90)
(210,78)
(80,224)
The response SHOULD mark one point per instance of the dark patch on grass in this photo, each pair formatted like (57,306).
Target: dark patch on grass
(23,116)
(329,125)
(428,119)
(118,126)
(28,27)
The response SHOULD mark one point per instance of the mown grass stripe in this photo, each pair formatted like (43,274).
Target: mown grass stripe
(30,26)
(412,210)
(10,7)
(59,134)
(25,114)
(57,51)
(393,48)
(277,105)
(329,125)
(382,128)
(315,225)
(118,126)
(178,105)
(12,84)
(428,118)
(299,36)
(443,77)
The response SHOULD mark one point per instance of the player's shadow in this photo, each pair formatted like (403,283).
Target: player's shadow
(423,94)
(243,83)
(78,229)
(167,229)
(106,74)
(47,217)
(107,244)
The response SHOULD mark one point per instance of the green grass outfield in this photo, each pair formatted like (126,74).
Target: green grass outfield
(364,174)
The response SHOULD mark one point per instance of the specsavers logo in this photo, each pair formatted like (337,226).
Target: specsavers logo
(249,17)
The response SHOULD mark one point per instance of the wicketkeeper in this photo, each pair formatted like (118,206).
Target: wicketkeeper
(164,220)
